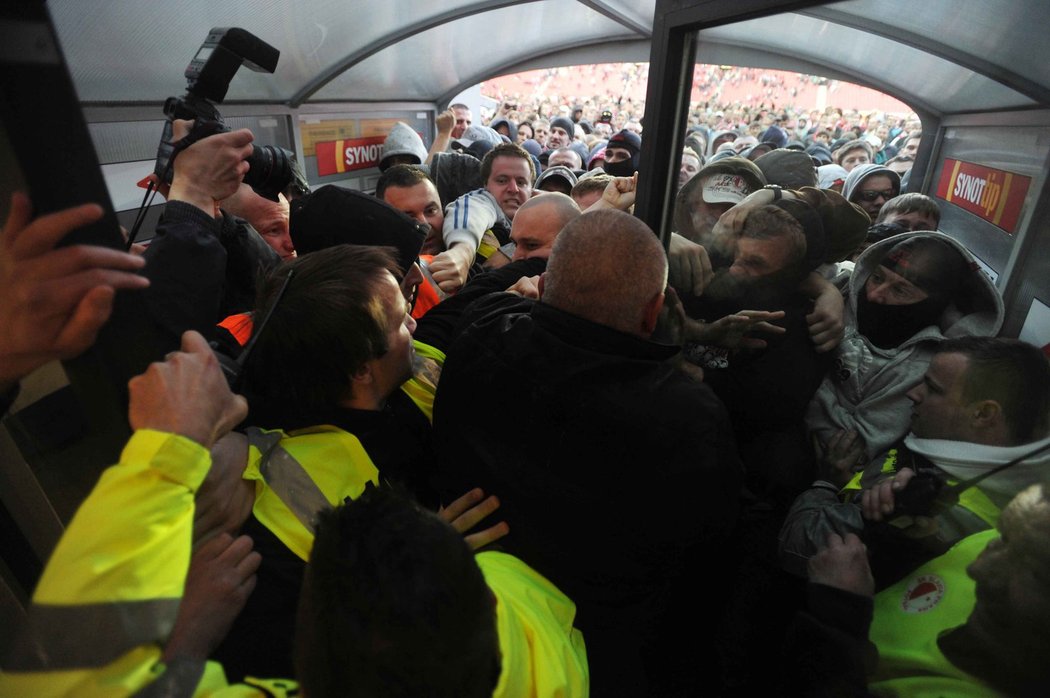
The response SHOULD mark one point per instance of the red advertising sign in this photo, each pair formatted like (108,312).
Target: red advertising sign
(994,195)
(348,155)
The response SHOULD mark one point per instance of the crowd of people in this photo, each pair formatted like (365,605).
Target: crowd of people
(488,437)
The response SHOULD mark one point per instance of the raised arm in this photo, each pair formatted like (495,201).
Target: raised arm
(110,593)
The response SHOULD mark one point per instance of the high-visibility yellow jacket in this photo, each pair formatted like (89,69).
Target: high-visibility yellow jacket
(108,597)
(543,655)
(299,474)
(910,615)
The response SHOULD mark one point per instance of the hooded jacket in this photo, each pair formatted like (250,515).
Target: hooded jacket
(402,140)
(861,172)
(865,390)
(512,129)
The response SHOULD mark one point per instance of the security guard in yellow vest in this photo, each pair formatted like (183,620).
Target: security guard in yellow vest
(122,564)
(972,622)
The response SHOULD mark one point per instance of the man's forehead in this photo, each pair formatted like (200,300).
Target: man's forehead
(947,368)
(510,165)
(422,190)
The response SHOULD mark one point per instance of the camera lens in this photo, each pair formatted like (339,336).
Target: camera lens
(270,170)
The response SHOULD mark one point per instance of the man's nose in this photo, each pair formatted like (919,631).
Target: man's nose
(877,294)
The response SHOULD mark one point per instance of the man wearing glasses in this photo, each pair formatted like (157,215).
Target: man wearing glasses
(871,186)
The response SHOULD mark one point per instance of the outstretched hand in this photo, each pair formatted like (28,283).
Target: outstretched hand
(186,394)
(468,511)
(733,331)
(54,301)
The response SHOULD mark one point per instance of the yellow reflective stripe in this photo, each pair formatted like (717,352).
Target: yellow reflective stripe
(978,503)
(287,496)
(286,477)
(57,638)
(279,688)
(294,491)
(488,244)
(422,386)
(854,485)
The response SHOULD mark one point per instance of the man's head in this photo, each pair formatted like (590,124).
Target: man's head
(983,390)
(555,179)
(911,211)
(463,119)
(340,336)
(911,145)
(393,604)
(589,189)
(690,166)
(562,130)
(770,241)
(900,164)
(525,132)
(402,146)
(716,188)
(269,218)
(409,190)
(853,154)
(769,257)
(621,154)
(592,258)
(870,187)
(542,131)
(538,223)
(567,157)
(909,289)
(508,173)
(1009,627)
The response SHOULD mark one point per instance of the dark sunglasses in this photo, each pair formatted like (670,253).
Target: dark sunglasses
(871,195)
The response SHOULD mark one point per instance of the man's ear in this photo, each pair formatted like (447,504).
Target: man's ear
(539,286)
(652,313)
(986,414)
(363,375)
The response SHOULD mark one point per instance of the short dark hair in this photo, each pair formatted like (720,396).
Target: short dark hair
(394,604)
(1013,373)
(403,176)
(910,203)
(505,150)
(329,322)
